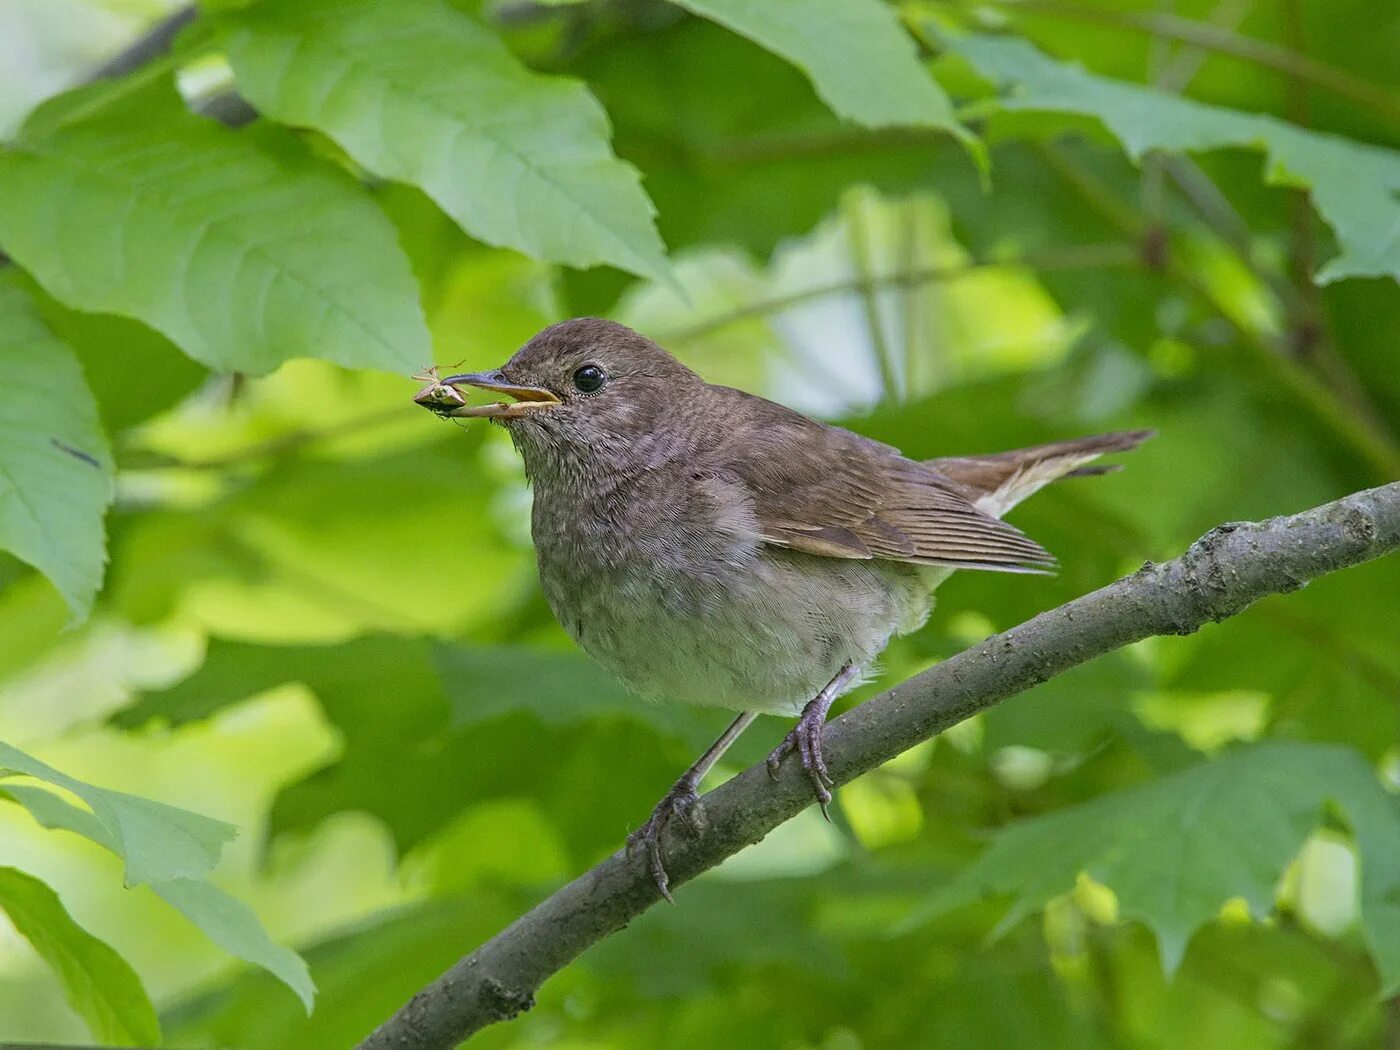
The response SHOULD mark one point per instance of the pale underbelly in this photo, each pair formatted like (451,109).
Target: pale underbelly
(766,640)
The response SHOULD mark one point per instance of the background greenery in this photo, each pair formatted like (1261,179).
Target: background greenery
(316,620)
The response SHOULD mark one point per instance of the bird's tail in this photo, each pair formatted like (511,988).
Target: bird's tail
(1000,480)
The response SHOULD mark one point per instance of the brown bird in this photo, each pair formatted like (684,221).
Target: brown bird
(708,546)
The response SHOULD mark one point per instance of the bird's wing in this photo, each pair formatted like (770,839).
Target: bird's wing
(999,481)
(827,491)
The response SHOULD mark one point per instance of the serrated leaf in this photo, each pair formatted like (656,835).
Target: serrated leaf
(55,469)
(1174,850)
(157,842)
(418,91)
(1354,186)
(238,246)
(224,919)
(858,57)
(99,984)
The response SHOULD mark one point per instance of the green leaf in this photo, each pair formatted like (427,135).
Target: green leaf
(55,469)
(157,842)
(1174,850)
(1071,712)
(134,371)
(366,972)
(234,927)
(417,91)
(1354,186)
(858,57)
(99,984)
(559,688)
(238,246)
(720,171)
(427,730)
(224,919)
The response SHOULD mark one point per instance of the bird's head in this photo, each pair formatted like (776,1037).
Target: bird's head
(582,391)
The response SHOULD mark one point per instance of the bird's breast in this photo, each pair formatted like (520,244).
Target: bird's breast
(669,587)
(676,548)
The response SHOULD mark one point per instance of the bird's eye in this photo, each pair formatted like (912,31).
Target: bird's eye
(589,378)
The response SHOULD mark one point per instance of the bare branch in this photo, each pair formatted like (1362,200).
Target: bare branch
(148,47)
(1224,572)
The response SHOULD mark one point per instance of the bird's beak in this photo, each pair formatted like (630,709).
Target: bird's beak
(527,399)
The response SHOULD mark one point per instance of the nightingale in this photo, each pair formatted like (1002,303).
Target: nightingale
(708,546)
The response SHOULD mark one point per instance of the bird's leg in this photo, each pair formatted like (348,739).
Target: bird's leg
(806,738)
(680,802)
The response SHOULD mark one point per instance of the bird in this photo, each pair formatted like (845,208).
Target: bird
(711,547)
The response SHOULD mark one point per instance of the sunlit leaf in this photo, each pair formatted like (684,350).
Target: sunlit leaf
(99,984)
(157,842)
(416,90)
(860,60)
(224,919)
(364,973)
(239,247)
(55,470)
(718,162)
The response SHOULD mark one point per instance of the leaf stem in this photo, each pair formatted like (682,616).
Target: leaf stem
(154,43)
(1375,447)
(858,238)
(1221,41)
(1075,257)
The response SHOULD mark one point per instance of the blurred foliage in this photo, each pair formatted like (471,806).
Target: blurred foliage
(954,227)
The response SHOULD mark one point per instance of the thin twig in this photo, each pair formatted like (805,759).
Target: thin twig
(1310,336)
(1369,441)
(224,105)
(1075,257)
(1224,572)
(1300,296)
(858,238)
(1220,215)
(1084,256)
(1179,73)
(152,44)
(1308,323)
(1222,41)
(282,444)
(911,299)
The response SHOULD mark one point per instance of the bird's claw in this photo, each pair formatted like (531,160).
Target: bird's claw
(806,740)
(680,803)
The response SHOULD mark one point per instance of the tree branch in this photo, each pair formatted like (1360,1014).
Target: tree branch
(1224,572)
(153,44)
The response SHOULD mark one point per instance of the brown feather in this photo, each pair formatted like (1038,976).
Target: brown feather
(827,491)
(999,480)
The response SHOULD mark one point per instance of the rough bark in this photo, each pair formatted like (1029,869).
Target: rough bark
(1222,573)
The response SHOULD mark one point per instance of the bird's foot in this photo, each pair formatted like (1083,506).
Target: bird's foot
(806,740)
(680,803)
